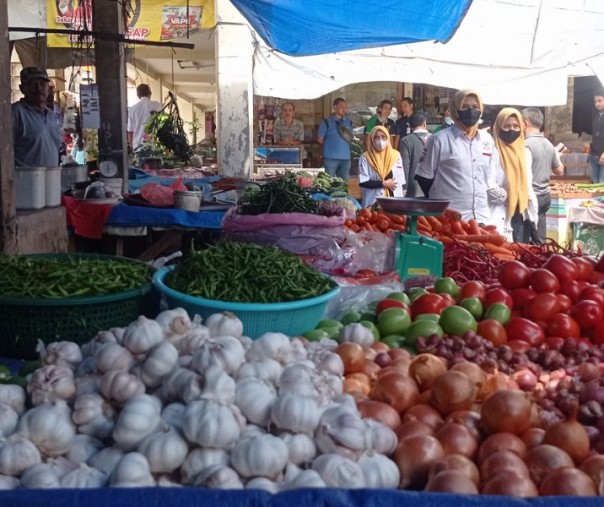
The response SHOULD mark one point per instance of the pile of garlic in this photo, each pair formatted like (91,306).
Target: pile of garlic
(170,402)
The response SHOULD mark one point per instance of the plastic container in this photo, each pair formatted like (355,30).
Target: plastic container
(30,184)
(189,200)
(52,190)
(71,175)
(291,318)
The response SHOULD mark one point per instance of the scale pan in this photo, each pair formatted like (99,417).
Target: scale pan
(417,204)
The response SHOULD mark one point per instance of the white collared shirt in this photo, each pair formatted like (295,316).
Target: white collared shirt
(138,115)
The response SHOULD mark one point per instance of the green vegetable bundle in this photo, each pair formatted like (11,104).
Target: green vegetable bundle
(69,276)
(332,185)
(247,273)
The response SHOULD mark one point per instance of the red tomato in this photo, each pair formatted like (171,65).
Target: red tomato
(565,269)
(449,300)
(428,303)
(572,289)
(587,313)
(472,289)
(597,278)
(597,334)
(543,280)
(593,293)
(600,264)
(498,295)
(554,342)
(514,274)
(365,273)
(384,304)
(521,297)
(494,331)
(585,267)
(564,326)
(565,302)
(542,307)
(519,328)
(519,346)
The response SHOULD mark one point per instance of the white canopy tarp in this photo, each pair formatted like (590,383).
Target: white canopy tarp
(517,52)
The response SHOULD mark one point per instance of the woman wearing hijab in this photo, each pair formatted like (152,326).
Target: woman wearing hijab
(514,214)
(459,161)
(380,168)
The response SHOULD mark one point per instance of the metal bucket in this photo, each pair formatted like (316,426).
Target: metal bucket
(187,200)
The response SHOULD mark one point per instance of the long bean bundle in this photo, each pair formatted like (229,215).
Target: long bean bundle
(247,273)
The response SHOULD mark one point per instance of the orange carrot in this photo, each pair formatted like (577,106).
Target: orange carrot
(426,231)
(434,223)
(473,227)
(496,249)
(457,229)
(490,229)
(355,228)
(452,215)
(423,222)
(495,239)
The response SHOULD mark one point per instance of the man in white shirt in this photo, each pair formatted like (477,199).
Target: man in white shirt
(139,114)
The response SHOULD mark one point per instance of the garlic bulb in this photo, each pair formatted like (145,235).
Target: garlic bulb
(61,465)
(181,384)
(168,481)
(87,384)
(132,471)
(379,437)
(160,361)
(7,482)
(224,351)
(246,341)
(120,386)
(51,383)
(60,353)
(275,346)
(175,323)
(199,459)
(93,415)
(297,378)
(187,345)
(304,479)
(13,396)
(301,448)
(8,420)
(339,472)
(218,477)
(84,477)
(295,413)
(224,324)
(40,476)
(211,423)
(106,459)
(86,367)
(261,369)
(259,456)
(341,430)
(173,414)
(262,483)
(251,430)
(48,426)
(139,417)
(330,362)
(142,335)
(113,357)
(357,333)
(17,454)
(184,361)
(379,471)
(218,385)
(83,447)
(165,450)
(255,399)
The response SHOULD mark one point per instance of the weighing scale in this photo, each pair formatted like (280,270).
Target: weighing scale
(415,255)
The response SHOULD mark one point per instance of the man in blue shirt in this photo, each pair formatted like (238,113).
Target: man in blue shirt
(336,149)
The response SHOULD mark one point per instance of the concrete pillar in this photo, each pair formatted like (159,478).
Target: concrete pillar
(234,92)
(559,119)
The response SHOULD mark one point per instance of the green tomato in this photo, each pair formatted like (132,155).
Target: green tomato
(446,284)
(370,316)
(421,328)
(350,317)
(329,323)
(474,306)
(416,292)
(499,312)
(393,321)
(315,335)
(393,340)
(456,320)
(373,328)
(432,317)
(399,296)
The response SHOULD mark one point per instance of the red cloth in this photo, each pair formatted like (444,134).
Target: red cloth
(86,219)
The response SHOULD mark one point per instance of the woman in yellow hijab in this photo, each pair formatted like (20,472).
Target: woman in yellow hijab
(518,210)
(380,168)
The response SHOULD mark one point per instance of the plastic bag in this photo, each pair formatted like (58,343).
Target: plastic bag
(158,194)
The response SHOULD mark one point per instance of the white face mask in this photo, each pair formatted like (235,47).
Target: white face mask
(448,120)
(380,144)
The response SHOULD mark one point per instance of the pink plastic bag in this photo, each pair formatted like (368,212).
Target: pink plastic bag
(158,194)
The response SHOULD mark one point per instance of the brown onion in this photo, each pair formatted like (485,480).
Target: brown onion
(510,484)
(414,456)
(381,412)
(450,481)
(502,460)
(567,482)
(459,463)
(354,386)
(371,369)
(380,347)
(425,413)
(594,468)
(453,391)
(533,437)
(424,396)
(425,369)
(506,411)
(541,460)
(468,418)
(413,428)
(457,439)
(501,442)
(399,354)
(399,366)
(352,356)
(396,389)
(570,436)
(477,374)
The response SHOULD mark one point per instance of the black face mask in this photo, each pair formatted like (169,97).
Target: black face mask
(509,136)
(469,117)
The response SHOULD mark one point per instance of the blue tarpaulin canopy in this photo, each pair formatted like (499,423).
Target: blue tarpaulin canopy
(314,27)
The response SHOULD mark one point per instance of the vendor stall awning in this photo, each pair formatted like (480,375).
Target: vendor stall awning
(315,27)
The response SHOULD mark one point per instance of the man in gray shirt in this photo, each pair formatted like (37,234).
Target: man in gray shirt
(36,134)
(545,162)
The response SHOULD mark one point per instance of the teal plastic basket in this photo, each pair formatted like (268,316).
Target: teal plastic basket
(291,318)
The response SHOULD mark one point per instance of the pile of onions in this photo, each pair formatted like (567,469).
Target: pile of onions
(567,482)
(594,468)
(506,411)
(501,442)
(510,484)
(451,481)
(452,391)
(570,436)
(458,463)
(425,413)
(425,369)
(456,439)
(379,411)
(396,389)
(414,456)
(541,460)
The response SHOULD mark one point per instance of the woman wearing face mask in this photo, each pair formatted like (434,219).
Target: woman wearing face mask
(447,121)
(458,161)
(380,168)
(514,213)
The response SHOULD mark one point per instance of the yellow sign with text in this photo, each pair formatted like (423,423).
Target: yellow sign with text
(148,20)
